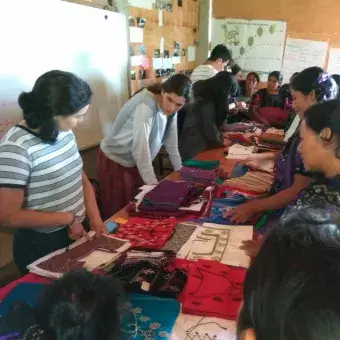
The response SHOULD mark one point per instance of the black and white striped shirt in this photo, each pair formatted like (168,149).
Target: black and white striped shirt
(51,174)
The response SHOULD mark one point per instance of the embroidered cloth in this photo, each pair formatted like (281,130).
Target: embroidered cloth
(214,290)
(148,318)
(146,233)
(221,243)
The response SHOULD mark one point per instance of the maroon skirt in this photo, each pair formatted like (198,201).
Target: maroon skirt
(118,184)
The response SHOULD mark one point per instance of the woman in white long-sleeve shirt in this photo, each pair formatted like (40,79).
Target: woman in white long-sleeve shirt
(145,123)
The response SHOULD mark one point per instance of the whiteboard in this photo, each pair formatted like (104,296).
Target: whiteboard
(42,35)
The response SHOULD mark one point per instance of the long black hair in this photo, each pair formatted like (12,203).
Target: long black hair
(80,306)
(55,93)
(315,79)
(217,90)
(291,291)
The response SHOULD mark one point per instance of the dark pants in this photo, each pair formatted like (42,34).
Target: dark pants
(29,246)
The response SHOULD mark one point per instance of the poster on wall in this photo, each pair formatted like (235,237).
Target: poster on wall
(256,45)
(302,53)
(334,61)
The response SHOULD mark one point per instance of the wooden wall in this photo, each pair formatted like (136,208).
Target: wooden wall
(306,19)
(180,25)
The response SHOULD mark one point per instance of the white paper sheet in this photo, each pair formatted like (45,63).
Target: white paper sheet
(136,60)
(176,60)
(238,151)
(334,61)
(147,4)
(157,63)
(160,17)
(136,35)
(300,54)
(167,63)
(191,53)
(256,45)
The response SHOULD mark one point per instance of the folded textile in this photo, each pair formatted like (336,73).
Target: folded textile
(253,181)
(198,206)
(220,206)
(29,278)
(146,233)
(204,165)
(237,151)
(148,275)
(202,176)
(169,196)
(240,127)
(97,253)
(24,292)
(234,194)
(221,243)
(180,236)
(148,317)
(221,299)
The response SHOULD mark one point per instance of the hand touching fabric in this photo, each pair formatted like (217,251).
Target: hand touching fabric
(98,227)
(76,231)
(241,213)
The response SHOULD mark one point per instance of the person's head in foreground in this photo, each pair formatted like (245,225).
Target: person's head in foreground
(311,86)
(320,138)
(220,57)
(80,306)
(58,102)
(292,291)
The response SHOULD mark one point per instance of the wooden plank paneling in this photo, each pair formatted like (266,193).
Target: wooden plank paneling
(179,25)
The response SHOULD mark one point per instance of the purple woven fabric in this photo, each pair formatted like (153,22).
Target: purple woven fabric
(167,196)
(201,176)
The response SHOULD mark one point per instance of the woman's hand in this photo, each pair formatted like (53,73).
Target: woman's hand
(77,231)
(242,213)
(98,227)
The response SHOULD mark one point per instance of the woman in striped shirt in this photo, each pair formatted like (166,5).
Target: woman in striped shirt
(44,193)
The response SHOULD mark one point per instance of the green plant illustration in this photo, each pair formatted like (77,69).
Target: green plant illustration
(231,37)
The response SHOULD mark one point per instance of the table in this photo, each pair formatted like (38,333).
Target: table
(215,154)
(209,155)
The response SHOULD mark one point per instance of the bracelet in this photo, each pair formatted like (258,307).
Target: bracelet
(68,225)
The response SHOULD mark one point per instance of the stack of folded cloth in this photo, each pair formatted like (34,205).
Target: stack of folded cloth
(270,142)
(258,182)
(170,198)
(208,177)
(204,165)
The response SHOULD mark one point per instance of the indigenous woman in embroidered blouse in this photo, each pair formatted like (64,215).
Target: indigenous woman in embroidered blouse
(44,193)
(145,123)
(320,151)
(269,106)
(308,88)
